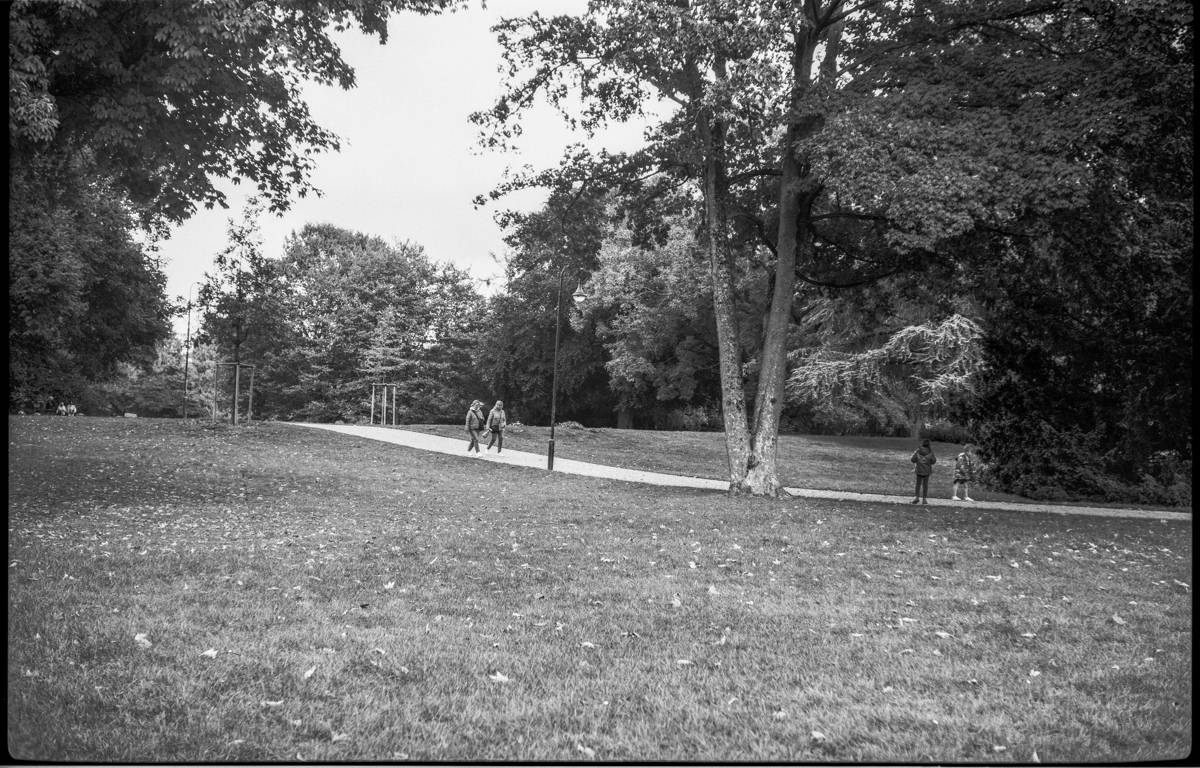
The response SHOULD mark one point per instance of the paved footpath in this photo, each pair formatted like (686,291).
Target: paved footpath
(455,446)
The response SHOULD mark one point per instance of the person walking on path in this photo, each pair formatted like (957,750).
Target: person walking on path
(924,460)
(964,472)
(495,423)
(475,420)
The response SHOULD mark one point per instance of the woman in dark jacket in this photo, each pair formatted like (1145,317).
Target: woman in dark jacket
(474,424)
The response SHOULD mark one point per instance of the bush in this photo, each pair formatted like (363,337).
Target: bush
(1038,461)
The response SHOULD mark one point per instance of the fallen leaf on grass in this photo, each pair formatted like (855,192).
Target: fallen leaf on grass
(336,737)
(1029,634)
(273,704)
(140,639)
(1179,583)
(588,752)
(1034,673)
(1118,620)
(1034,757)
(390,585)
(586,644)
(817,737)
(210,653)
(712,590)
(683,662)
(780,714)
(309,672)
(498,677)
(943,635)
(998,748)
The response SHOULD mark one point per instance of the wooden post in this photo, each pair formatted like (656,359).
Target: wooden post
(250,397)
(394,422)
(237,381)
(372,404)
(383,409)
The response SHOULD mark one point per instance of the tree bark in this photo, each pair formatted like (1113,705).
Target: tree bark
(797,189)
(733,394)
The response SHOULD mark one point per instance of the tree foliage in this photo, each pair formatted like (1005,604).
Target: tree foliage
(122,116)
(337,312)
(837,144)
(923,369)
(174,95)
(84,295)
(516,350)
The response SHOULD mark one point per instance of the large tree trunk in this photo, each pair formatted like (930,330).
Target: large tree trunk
(733,394)
(797,190)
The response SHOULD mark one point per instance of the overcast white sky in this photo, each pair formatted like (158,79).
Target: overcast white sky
(409,164)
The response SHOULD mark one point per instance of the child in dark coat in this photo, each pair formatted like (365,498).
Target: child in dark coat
(924,460)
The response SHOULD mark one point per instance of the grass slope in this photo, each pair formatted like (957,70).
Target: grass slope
(832,463)
(308,596)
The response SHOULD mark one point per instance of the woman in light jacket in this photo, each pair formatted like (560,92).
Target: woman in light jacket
(496,422)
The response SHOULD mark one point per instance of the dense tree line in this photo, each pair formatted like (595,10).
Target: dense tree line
(121,118)
(335,313)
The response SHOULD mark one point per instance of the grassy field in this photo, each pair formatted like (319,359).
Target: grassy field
(274,594)
(832,463)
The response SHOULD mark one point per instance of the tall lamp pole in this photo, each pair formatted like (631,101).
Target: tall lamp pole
(187,349)
(577,297)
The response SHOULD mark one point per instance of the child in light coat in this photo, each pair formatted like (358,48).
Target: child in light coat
(964,472)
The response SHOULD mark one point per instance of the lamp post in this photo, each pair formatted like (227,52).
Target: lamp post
(187,349)
(577,297)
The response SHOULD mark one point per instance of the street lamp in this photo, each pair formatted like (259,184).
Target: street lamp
(577,297)
(187,349)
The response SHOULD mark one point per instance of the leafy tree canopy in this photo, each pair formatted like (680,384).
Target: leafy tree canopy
(171,95)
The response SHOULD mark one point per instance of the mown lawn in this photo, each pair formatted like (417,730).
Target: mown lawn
(831,463)
(302,595)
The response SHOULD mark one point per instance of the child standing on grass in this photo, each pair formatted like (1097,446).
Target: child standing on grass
(924,460)
(474,424)
(964,472)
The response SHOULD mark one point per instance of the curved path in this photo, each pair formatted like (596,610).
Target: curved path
(454,446)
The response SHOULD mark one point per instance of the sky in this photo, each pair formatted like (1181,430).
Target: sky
(410,163)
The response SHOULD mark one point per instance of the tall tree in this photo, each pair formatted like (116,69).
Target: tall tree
(84,295)
(852,141)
